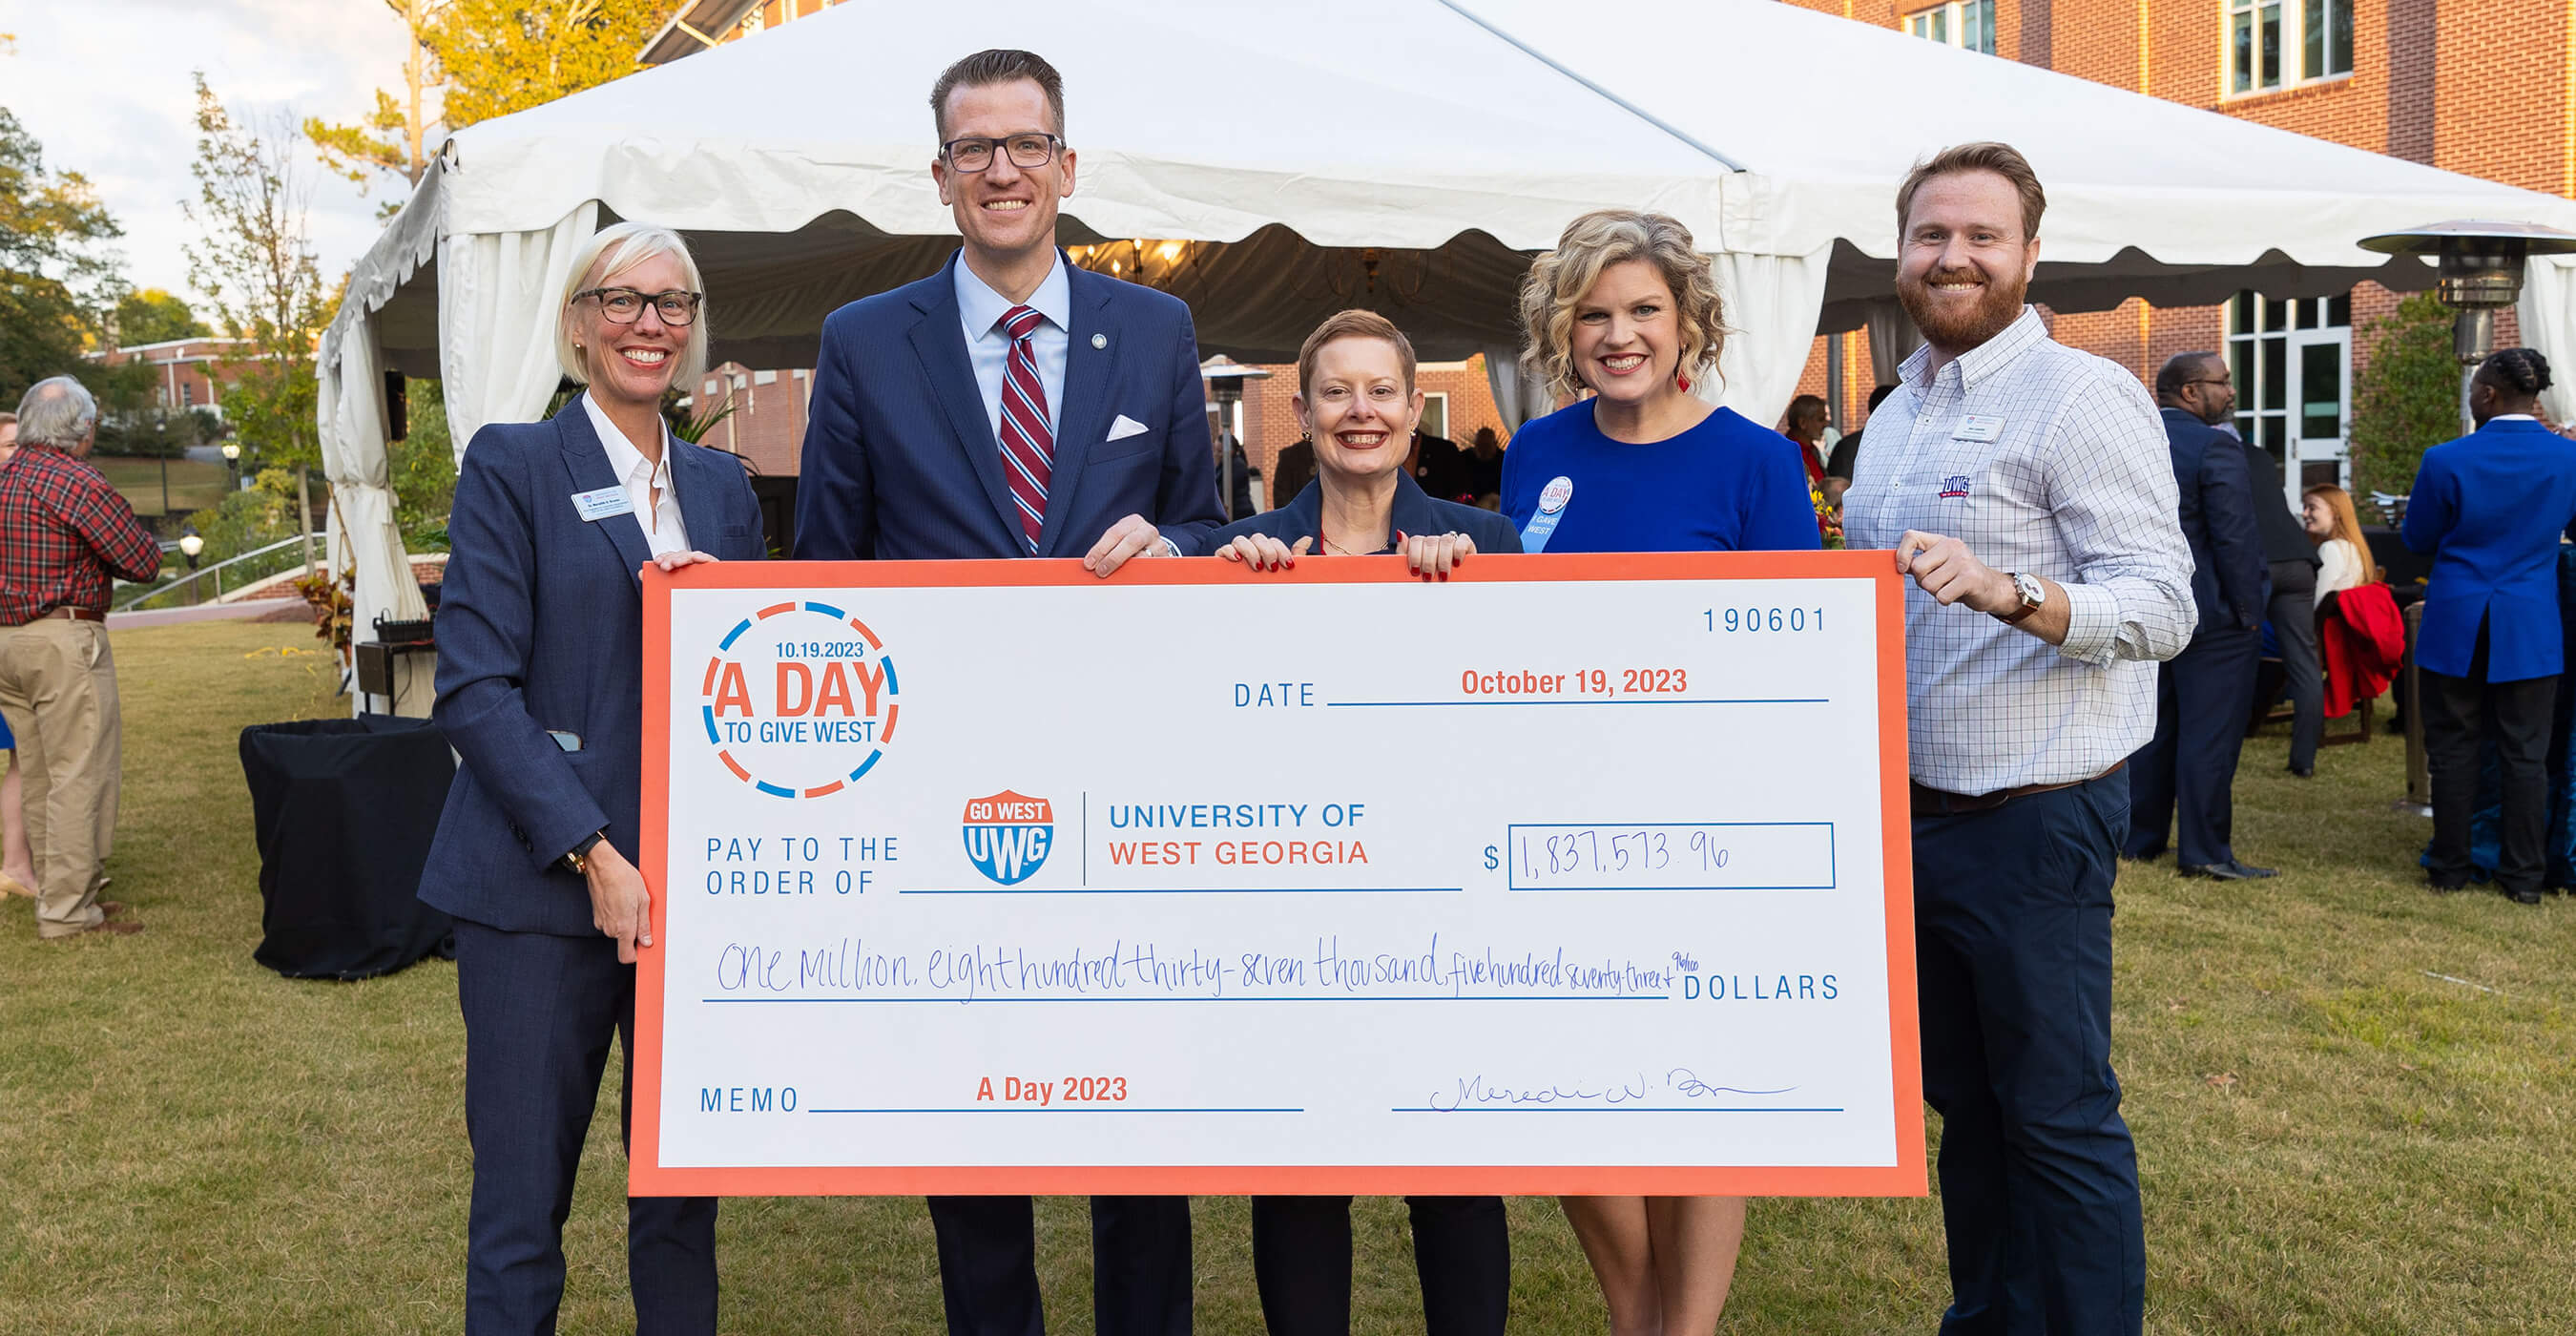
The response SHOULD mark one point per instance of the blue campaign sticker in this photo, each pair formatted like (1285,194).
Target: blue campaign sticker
(1552,501)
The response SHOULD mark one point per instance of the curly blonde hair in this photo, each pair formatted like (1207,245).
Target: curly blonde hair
(1559,279)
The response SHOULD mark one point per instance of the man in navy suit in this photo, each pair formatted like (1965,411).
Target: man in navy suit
(1012,405)
(2203,693)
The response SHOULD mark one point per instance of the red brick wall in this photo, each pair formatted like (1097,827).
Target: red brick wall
(2500,94)
(768,424)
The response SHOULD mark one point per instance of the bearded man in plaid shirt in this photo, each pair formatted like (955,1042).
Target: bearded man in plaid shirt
(64,532)
(2027,491)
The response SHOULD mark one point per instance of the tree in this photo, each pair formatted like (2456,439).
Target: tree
(501,56)
(154,316)
(55,264)
(255,265)
(397,136)
(2407,400)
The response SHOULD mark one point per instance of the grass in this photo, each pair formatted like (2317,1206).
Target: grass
(2333,1138)
(194,484)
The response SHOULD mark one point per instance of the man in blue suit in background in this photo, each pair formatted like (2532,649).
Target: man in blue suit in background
(1013,405)
(2203,693)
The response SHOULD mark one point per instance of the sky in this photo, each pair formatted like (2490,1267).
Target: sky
(103,86)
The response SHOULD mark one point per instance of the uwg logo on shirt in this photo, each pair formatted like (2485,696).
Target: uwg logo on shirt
(1954,486)
(1008,835)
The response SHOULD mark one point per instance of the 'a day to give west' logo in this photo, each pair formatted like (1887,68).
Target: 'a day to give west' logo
(799,699)
(1008,835)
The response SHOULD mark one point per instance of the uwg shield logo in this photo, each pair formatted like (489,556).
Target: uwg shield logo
(1008,835)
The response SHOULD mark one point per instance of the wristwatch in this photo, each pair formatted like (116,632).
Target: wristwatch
(2032,592)
(578,861)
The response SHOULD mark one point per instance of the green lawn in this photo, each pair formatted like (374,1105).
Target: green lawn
(194,484)
(2334,1139)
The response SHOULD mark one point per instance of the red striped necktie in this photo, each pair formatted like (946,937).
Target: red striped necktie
(1028,441)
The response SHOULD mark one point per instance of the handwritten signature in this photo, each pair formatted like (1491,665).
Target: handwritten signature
(1481,1092)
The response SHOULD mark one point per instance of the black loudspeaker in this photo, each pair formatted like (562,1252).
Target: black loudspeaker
(397,407)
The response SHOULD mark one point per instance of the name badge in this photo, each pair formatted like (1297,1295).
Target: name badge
(1978,427)
(599,505)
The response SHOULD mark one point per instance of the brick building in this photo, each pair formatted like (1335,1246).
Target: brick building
(188,371)
(2482,87)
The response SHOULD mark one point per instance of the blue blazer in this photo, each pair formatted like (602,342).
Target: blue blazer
(1413,511)
(2227,567)
(900,459)
(2490,507)
(541,627)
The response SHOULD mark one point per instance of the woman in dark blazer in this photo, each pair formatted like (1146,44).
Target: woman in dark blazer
(1357,401)
(540,678)
(2490,507)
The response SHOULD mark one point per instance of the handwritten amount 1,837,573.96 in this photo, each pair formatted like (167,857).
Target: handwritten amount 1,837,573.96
(1610,851)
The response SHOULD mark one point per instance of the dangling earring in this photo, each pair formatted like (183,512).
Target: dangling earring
(1682,378)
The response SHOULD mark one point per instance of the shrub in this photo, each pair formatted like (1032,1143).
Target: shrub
(2408,398)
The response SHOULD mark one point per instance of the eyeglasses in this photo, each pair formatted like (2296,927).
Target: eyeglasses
(2223,380)
(622,306)
(974,153)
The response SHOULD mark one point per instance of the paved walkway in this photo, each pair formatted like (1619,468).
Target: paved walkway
(249,610)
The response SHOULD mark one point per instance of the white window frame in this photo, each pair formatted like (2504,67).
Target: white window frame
(1440,397)
(2297,19)
(2272,323)
(1948,24)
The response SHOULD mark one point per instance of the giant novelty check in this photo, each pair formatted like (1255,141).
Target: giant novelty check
(1570,874)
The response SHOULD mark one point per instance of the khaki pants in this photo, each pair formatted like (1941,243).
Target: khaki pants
(58,691)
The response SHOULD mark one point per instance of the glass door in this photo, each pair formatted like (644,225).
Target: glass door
(2320,367)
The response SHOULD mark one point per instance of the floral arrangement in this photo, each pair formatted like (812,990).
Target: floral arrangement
(1829,518)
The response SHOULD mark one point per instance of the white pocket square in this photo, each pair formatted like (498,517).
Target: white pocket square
(1124,427)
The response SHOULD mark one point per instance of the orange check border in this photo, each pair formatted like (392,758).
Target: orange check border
(648,1176)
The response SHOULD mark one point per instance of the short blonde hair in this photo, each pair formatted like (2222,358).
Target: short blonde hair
(1559,280)
(1353,324)
(627,245)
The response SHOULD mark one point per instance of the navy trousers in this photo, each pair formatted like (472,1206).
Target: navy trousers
(2039,1180)
(988,1271)
(539,1014)
(1301,1259)
(2186,774)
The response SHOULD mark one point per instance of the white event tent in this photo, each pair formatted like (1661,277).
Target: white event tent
(1272,164)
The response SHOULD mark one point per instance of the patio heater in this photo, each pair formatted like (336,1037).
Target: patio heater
(1225,389)
(2480,265)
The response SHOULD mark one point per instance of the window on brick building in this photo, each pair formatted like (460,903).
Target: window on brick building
(1966,24)
(2292,364)
(1435,414)
(2271,43)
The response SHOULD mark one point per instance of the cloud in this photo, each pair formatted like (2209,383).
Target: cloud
(104,86)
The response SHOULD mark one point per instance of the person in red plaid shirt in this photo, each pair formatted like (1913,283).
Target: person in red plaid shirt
(64,533)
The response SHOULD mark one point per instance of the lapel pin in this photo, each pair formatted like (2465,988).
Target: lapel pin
(1099,340)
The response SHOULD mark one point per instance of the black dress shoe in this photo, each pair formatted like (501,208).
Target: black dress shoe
(2231,870)
(2309,772)
(2445,885)
(2527,897)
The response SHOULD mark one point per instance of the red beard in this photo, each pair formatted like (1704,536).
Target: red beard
(1997,306)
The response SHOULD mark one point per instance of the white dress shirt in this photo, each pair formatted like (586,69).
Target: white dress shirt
(661,522)
(2339,567)
(2072,480)
(988,345)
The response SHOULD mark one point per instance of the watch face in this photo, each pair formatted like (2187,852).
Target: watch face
(2031,590)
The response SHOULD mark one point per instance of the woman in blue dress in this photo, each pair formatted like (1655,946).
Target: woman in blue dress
(1627,309)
